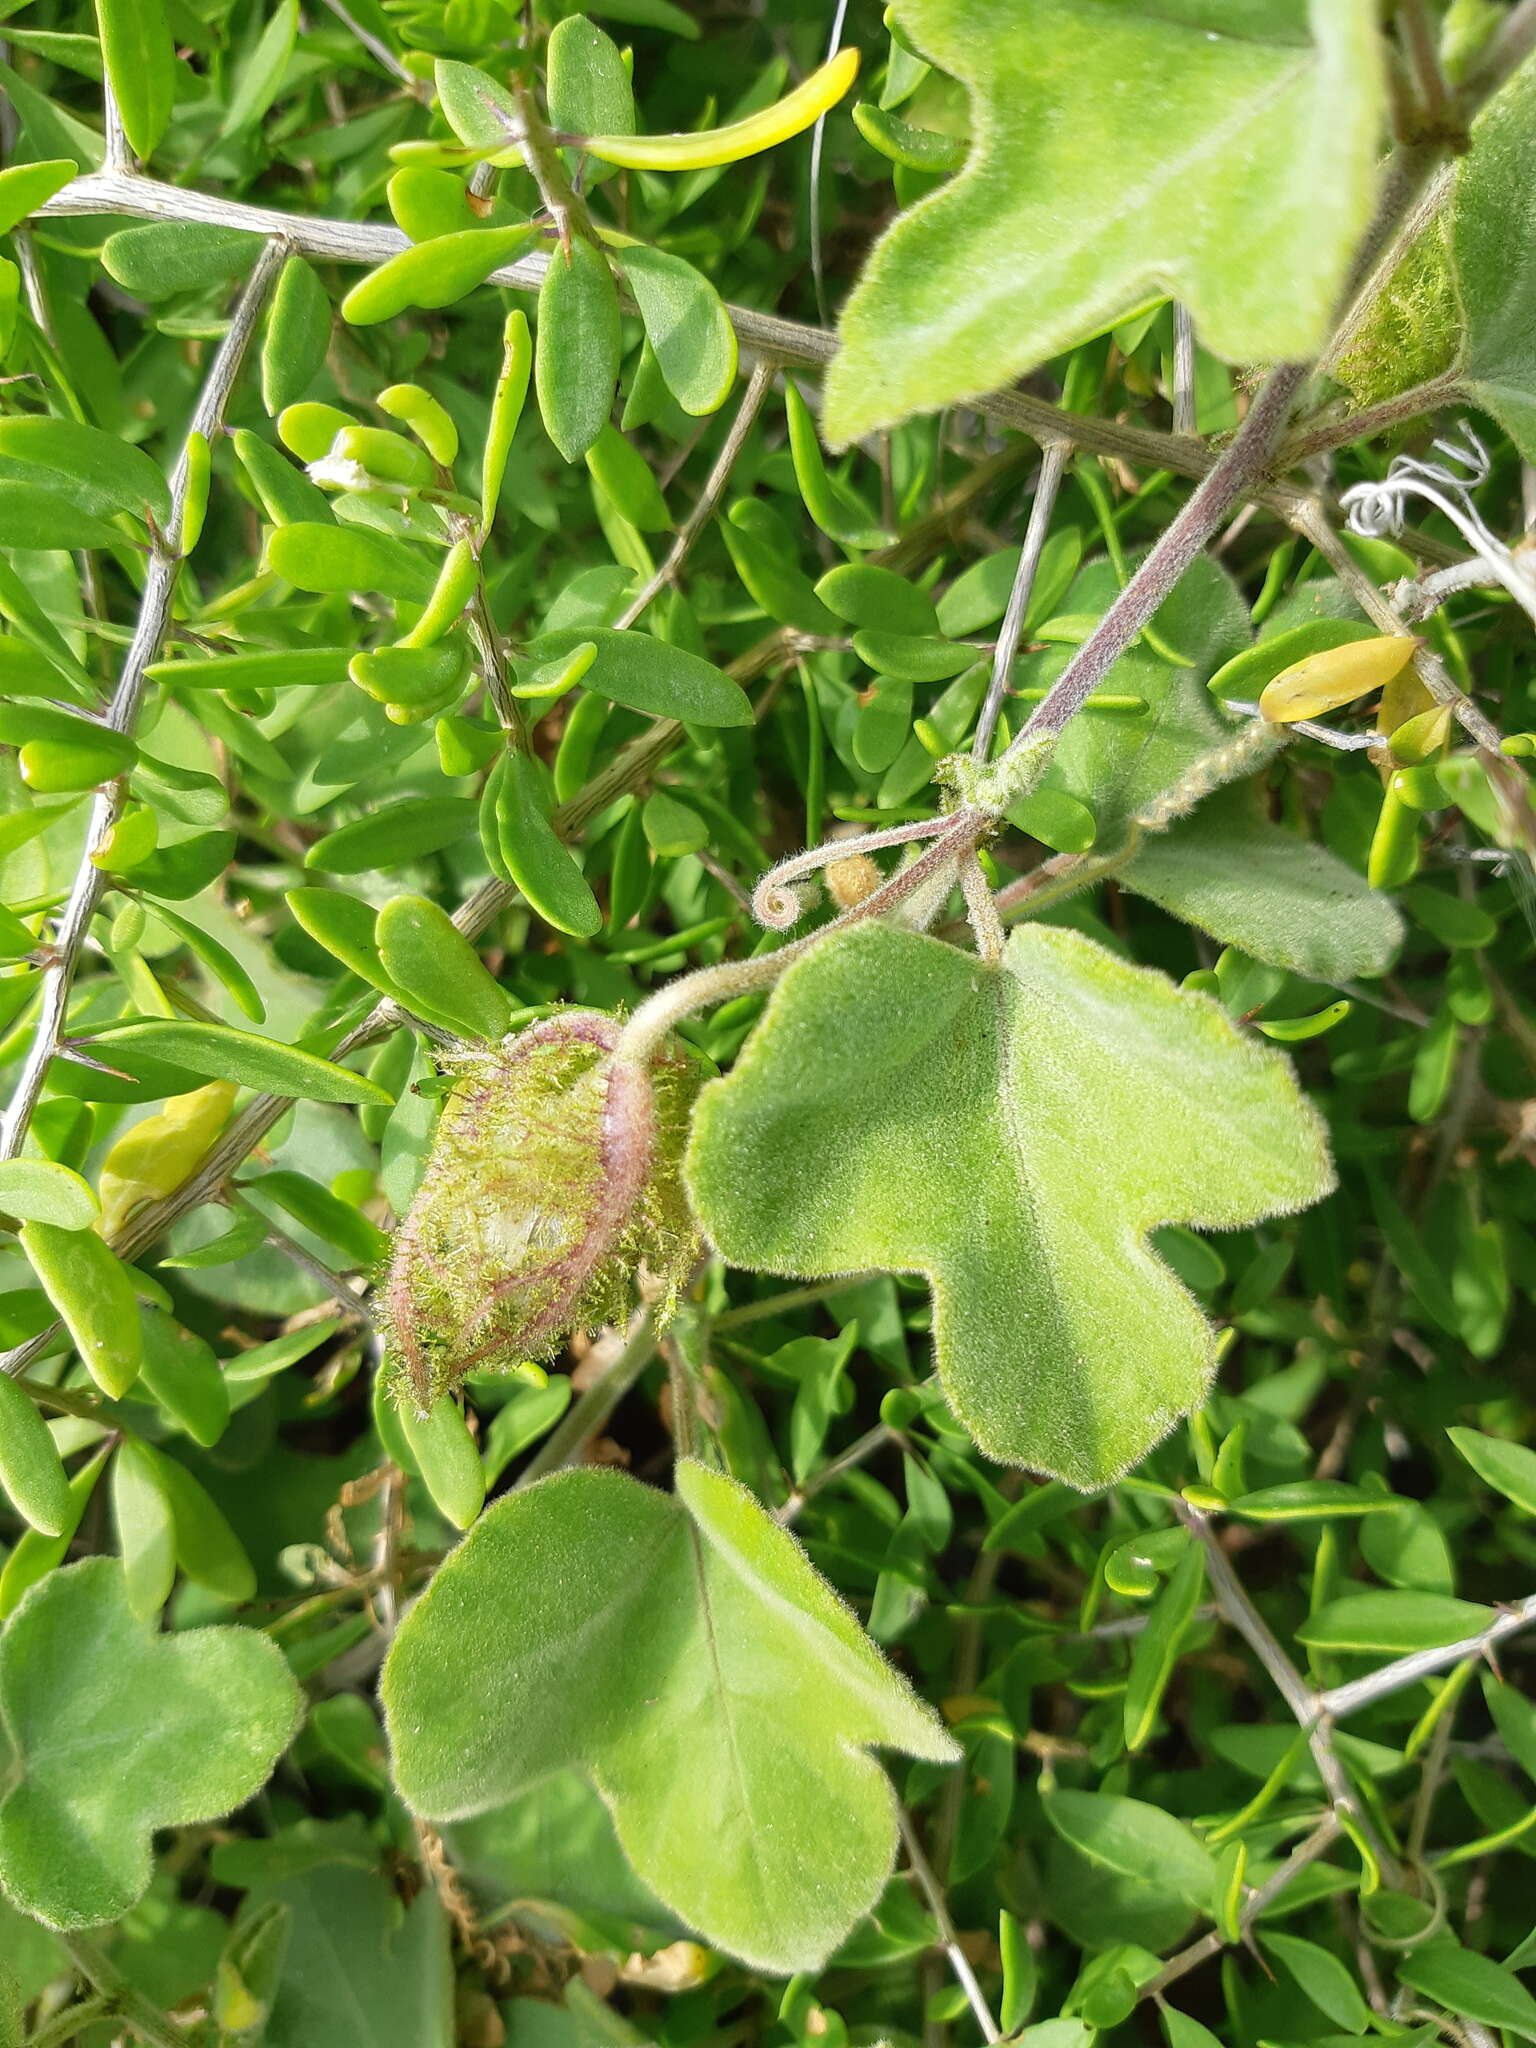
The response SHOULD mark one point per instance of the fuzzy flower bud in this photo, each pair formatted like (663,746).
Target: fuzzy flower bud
(553,1177)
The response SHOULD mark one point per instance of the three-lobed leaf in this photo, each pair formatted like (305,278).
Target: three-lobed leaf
(1011,1132)
(113,1731)
(712,1685)
(1121,154)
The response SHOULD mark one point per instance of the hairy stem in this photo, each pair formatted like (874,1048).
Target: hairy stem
(1242,464)
(137,2012)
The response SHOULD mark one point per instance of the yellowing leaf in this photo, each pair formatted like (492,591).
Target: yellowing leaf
(708,1681)
(156,1155)
(1321,683)
(1011,1132)
(797,111)
(1120,153)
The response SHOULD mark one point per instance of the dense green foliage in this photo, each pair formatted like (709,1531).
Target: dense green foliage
(1069,1567)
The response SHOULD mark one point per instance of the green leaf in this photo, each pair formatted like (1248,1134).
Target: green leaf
(31,1471)
(219,961)
(1493,248)
(224,1054)
(182,1373)
(648,675)
(587,86)
(1324,1979)
(35,519)
(1117,158)
(480,112)
(36,1555)
(713,1686)
(1256,886)
(887,1063)
(93,1292)
(207,1548)
(1509,1468)
(121,476)
(166,257)
(146,1528)
(297,335)
(433,274)
(438,972)
(347,559)
(624,477)
(529,852)
(1157,1648)
(446,1457)
(393,835)
(686,325)
(1471,1986)
(277,668)
(260,77)
(179,1730)
(141,66)
(1396,1622)
(360,1969)
(39,1191)
(24,187)
(1307,1500)
(576,349)
(1134,1840)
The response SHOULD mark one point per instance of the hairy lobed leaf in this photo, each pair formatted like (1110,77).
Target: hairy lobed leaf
(108,1731)
(1120,153)
(1011,1132)
(710,1682)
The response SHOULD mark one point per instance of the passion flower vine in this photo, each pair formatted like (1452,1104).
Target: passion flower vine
(553,1181)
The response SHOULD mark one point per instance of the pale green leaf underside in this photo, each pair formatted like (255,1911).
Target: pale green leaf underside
(1255,886)
(1011,1133)
(109,1731)
(710,1682)
(1120,151)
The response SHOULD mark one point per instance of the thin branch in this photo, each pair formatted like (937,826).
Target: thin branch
(758,386)
(1053,465)
(1321,1839)
(1371,419)
(378,50)
(335,1286)
(949,1941)
(1342,1700)
(857,1454)
(1302,1699)
(122,714)
(790,341)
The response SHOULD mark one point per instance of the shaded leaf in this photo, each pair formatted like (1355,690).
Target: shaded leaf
(179,1729)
